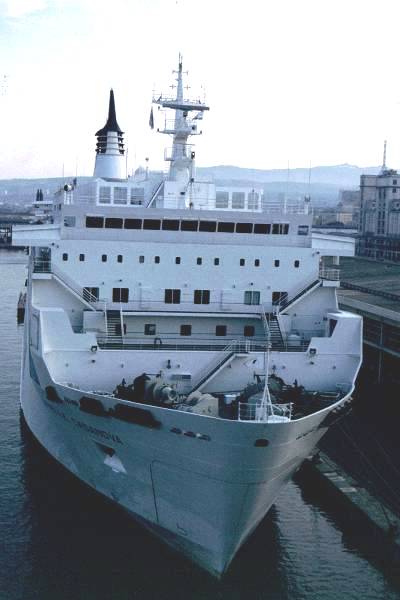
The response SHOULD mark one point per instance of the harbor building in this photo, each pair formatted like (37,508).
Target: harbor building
(379,226)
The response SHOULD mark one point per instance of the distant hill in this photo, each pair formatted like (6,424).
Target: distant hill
(338,175)
(325,182)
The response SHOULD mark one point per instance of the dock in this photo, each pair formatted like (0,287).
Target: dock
(372,289)
(379,525)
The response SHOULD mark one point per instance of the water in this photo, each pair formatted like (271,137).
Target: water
(61,541)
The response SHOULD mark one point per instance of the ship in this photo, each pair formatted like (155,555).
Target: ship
(183,350)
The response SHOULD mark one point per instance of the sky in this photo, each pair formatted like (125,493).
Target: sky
(295,82)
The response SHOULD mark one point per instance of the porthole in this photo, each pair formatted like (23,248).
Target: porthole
(261,443)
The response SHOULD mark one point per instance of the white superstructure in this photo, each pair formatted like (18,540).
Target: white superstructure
(184,350)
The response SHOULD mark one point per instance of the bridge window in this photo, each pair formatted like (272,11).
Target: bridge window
(207,226)
(238,200)
(114,223)
(189,225)
(120,195)
(280,228)
(170,224)
(251,297)
(120,295)
(133,224)
(302,230)
(186,330)
(137,196)
(172,296)
(97,222)
(226,227)
(252,201)
(244,227)
(262,228)
(221,199)
(248,331)
(104,195)
(201,297)
(150,329)
(154,224)
(220,330)
(69,221)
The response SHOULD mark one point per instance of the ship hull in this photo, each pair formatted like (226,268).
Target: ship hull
(201,484)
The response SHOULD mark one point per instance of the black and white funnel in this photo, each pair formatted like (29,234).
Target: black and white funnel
(110,152)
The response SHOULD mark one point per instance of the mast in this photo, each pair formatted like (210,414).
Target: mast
(181,156)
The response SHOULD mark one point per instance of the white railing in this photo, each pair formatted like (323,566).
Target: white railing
(214,365)
(264,413)
(41,265)
(206,344)
(178,151)
(329,274)
(261,205)
(188,126)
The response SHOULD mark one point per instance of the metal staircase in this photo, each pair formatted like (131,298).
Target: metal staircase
(211,370)
(115,327)
(275,334)
(289,301)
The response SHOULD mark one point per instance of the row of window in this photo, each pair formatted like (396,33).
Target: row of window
(173,296)
(191,225)
(186,330)
(199,260)
(119,195)
(237,201)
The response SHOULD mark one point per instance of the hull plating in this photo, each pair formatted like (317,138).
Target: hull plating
(203,497)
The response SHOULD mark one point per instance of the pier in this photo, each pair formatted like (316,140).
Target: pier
(356,471)
(372,289)
(377,525)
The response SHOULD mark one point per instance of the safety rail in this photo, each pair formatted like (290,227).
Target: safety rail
(127,342)
(178,151)
(41,265)
(204,375)
(285,300)
(329,274)
(260,412)
(261,205)
(183,125)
